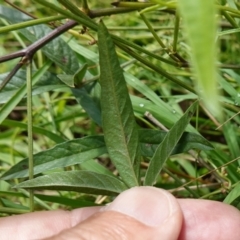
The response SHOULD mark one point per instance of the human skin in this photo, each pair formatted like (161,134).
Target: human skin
(138,213)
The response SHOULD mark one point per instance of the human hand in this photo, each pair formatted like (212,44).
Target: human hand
(138,213)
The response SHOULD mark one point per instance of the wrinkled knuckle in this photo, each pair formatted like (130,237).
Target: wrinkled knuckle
(118,232)
(117,229)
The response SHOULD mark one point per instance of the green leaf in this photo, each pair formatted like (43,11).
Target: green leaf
(150,140)
(67,79)
(13,124)
(79,75)
(166,147)
(233,195)
(142,105)
(82,51)
(231,135)
(88,103)
(73,203)
(79,181)
(220,157)
(94,166)
(62,155)
(199,17)
(47,82)
(9,204)
(228,87)
(13,210)
(76,79)
(12,103)
(118,122)
(166,110)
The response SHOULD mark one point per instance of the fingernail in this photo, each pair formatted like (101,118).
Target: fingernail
(148,205)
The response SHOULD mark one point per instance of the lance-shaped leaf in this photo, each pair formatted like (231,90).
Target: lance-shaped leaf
(62,155)
(199,17)
(166,147)
(150,140)
(79,181)
(118,122)
(68,201)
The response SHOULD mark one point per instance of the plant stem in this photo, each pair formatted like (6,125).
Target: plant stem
(85,7)
(30,130)
(176,31)
(117,40)
(178,181)
(230,19)
(19,9)
(109,11)
(152,31)
(228,9)
(155,68)
(10,75)
(74,13)
(13,210)
(135,5)
(173,54)
(30,23)
(119,28)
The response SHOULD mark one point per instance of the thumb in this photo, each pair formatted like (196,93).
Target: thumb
(138,213)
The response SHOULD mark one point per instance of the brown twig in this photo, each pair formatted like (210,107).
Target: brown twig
(28,52)
(19,9)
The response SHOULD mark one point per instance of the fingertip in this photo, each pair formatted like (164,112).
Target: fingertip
(206,219)
(151,206)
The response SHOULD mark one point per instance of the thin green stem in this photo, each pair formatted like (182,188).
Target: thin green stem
(15,33)
(85,6)
(228,9)
(230,19)
(163,6)
(117,39)
(178,181)
(30,23)
(75,13)
(176,31)
(9,76)
(109,11)
(173,54)
(30,130)
(12,210)
(155,68)
(211,194)
(36,199)
(118,28)
(19,9)
(152,31)
(135,5)
(94,13)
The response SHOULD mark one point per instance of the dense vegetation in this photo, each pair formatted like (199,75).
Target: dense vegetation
(131,93)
